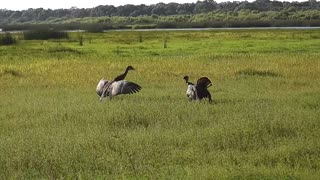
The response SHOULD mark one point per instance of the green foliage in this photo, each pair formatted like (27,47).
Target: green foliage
(44,35)
(94,27)
(7,39)
(154,11)
(205,13)
(243,18)
(264,123)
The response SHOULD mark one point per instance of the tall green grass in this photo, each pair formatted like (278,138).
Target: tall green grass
(264,123)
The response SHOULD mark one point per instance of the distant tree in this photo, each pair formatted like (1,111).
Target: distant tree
(205,6)
(125,10)
(186,8)
(262,5)
(229,6)
(159,9)
(171,8)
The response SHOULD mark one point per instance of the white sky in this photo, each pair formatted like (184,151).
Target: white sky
(56,4)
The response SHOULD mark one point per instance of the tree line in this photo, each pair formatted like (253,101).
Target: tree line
(207,13)
(160,9)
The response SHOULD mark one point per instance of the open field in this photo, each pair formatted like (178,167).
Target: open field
(264,123)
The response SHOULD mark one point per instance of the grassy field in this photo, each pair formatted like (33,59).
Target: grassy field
(264,123)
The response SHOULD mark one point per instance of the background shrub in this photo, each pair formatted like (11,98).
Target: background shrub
(45,35)
(7,39)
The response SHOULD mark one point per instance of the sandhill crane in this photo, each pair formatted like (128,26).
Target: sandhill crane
(117,86)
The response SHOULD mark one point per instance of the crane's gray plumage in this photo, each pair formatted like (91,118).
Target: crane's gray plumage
(100,85)
(106,88)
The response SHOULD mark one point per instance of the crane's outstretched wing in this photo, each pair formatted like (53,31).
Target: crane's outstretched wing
(126,87)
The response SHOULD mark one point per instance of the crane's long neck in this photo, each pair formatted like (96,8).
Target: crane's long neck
(126,72)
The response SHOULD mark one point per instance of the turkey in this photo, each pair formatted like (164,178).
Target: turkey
(198,91)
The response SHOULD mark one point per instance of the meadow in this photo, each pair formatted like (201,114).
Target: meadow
(264,122)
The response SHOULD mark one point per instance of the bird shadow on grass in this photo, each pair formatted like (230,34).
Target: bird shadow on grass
(11,72)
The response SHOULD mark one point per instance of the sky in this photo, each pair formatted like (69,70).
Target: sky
(66,4)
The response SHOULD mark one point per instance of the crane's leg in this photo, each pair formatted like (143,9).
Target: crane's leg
(105,88)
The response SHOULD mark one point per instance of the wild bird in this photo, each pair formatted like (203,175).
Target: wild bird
(107,88)
(200,90)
